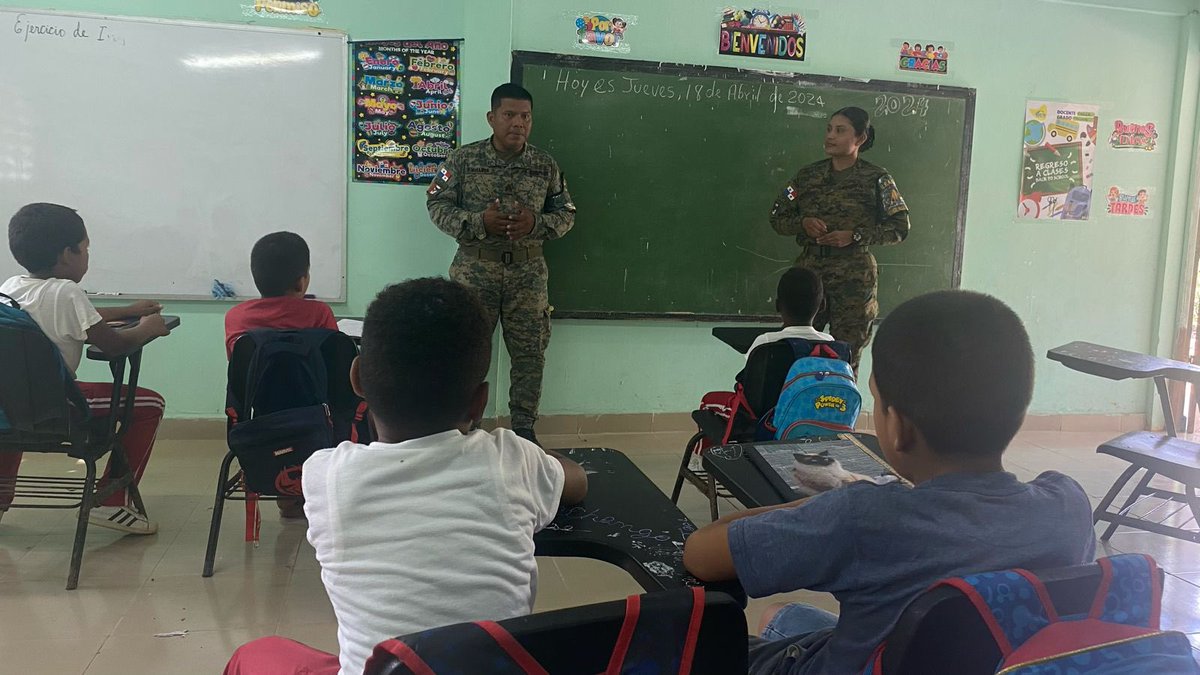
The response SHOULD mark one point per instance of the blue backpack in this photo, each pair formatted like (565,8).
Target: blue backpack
(819,395)
(1119,635)
(39,399)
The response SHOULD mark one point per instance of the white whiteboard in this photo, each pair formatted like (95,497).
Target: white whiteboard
(180,144)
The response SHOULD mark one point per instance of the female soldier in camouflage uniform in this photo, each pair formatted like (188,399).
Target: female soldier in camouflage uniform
(836,208)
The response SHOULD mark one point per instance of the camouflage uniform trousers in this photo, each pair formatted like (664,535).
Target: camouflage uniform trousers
(851,302)
(516,296)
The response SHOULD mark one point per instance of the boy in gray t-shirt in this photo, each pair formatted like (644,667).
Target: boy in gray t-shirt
(953,375)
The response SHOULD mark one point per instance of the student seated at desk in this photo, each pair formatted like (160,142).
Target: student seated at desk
(798,298)
(953,374)
(434,523)
(51,242)
(279,263)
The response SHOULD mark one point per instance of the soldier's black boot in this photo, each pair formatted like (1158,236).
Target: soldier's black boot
(527,434)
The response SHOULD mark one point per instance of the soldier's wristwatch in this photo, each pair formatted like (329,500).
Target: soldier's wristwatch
(856,237)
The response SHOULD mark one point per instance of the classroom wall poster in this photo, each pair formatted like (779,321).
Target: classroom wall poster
(924,57)
(308,11)
(603,32)
(406,97)
(1059,152)
(1132,136)
(762,34)
(1132,203)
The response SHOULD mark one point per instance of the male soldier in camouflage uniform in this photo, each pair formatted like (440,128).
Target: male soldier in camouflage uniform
(501,198)
(848,210)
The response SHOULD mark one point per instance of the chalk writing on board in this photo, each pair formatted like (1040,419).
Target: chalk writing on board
(683,90)
(35,27)
(905,105)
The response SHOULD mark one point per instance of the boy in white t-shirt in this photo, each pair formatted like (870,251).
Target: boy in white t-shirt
(433,524)
(51,242)
(798,299)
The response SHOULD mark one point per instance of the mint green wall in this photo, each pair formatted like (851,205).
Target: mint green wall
(1096,280)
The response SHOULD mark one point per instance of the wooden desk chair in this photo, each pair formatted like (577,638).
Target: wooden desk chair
(1150,452)
(941,631)
(338,352)
(59,423)
(761,380)
(582,639)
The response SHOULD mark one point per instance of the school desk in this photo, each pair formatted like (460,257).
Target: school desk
(627,521)
(740,337)
(733,468)
(1156,454)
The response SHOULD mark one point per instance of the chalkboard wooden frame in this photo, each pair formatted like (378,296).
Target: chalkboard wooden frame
(520,59)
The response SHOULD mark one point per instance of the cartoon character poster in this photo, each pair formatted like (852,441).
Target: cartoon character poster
(603,31)
(1132,203)
(924,57)
(1059,152)
(1134,136)
(406,97)
(308,11)
(764,34)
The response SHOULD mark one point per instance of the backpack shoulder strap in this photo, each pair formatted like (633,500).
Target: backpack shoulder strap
(10,301)
(1014,604)
(1130,591)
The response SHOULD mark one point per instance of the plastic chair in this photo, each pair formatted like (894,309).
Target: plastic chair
(339,351)
(82,438)
(731,417)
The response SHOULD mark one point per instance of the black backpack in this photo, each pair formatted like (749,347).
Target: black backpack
(289,395)
(39,399)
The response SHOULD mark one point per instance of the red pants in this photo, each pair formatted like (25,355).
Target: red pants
(280,656)
(137,441)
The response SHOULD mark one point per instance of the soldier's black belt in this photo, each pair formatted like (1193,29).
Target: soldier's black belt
(519,255)
(830,251)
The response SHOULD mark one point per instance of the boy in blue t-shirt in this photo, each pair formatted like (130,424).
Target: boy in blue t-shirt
(953,375)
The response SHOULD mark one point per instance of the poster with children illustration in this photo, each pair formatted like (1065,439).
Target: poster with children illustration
(603,32)
(1134,203)
(406,96)
(764,34)
(1134,136)
(1059,151)
(924,57)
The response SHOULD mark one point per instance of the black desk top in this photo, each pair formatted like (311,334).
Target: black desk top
(94,353)
(746,483)
(740,337)
(1119,364)
(627,521)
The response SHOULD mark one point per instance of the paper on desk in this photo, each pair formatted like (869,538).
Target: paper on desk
(351,327)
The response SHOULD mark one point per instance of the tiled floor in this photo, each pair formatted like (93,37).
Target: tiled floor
(133,589)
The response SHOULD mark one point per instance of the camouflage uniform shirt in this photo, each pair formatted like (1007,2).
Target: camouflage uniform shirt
(862,198)
(476,174)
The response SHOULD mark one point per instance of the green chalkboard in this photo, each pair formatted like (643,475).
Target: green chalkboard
(674,169)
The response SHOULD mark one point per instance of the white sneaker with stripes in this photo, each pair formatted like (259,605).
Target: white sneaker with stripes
(122,519)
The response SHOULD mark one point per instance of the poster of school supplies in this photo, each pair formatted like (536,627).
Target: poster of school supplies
(406,100)
(924,57)
(762,34)
(1059,153)
(1134,136)
(1134,203)
(603,32)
